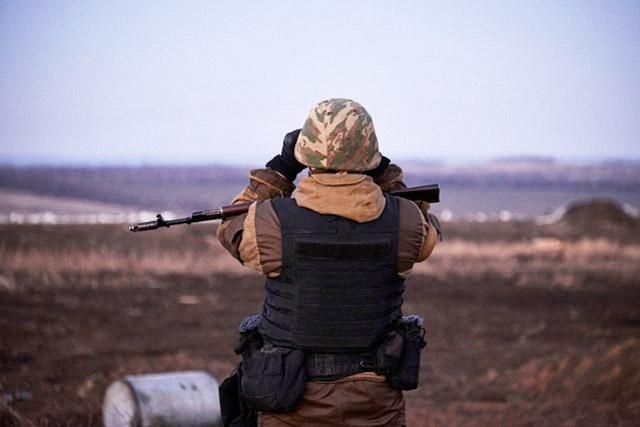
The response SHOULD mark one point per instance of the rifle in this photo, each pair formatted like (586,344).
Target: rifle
(428,193)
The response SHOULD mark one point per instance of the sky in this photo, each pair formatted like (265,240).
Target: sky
(166,82)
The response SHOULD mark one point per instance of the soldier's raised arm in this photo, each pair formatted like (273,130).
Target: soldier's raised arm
(275,180)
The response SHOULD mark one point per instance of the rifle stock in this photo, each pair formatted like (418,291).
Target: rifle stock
(428,193)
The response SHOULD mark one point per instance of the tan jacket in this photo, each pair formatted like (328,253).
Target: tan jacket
(255,239)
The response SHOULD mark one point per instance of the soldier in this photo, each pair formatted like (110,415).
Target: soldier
(335,255)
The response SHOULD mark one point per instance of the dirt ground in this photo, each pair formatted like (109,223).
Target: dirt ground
(525,325)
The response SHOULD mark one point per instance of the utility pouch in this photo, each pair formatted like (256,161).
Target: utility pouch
(406,375)
(273,379)
(234,411)
(389,353)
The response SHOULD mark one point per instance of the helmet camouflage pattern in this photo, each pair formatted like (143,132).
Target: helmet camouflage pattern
(338,135)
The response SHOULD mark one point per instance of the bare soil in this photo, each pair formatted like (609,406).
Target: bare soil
(524,325)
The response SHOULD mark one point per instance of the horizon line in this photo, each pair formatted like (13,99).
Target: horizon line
(459,160)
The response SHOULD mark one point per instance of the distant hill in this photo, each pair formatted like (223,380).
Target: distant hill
(524,161)
(23,202)
(156,188)
(532,172)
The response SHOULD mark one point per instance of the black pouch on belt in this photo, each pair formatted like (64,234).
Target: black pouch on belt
(273,379)
(233,410)
(406,376)
(389,353)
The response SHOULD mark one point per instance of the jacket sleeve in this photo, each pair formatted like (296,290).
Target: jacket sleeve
(419,229)
(238,234)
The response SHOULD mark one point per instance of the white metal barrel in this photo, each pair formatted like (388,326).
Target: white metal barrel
(185,399)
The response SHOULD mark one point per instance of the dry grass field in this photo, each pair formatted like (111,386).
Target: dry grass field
(526,324)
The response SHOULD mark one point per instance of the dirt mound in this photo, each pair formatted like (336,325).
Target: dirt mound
(598,218)
(598,212)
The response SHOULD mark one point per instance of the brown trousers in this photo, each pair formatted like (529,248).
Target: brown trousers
(355,403)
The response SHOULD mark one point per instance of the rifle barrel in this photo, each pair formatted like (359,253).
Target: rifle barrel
(428,193)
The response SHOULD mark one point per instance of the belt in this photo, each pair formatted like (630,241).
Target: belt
(332,366)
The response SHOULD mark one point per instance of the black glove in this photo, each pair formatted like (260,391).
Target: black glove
(379,170)
(433,220)
(286,162)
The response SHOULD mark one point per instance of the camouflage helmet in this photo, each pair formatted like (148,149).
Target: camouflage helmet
(338,135)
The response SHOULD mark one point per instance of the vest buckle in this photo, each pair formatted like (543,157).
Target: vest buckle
(369,362)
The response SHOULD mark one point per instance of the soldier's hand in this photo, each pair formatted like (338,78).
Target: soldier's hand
(286,162)
(378,171)
(288,145)
(431,218)
(423,206)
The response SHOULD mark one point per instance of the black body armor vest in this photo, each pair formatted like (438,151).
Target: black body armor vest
(339,291)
